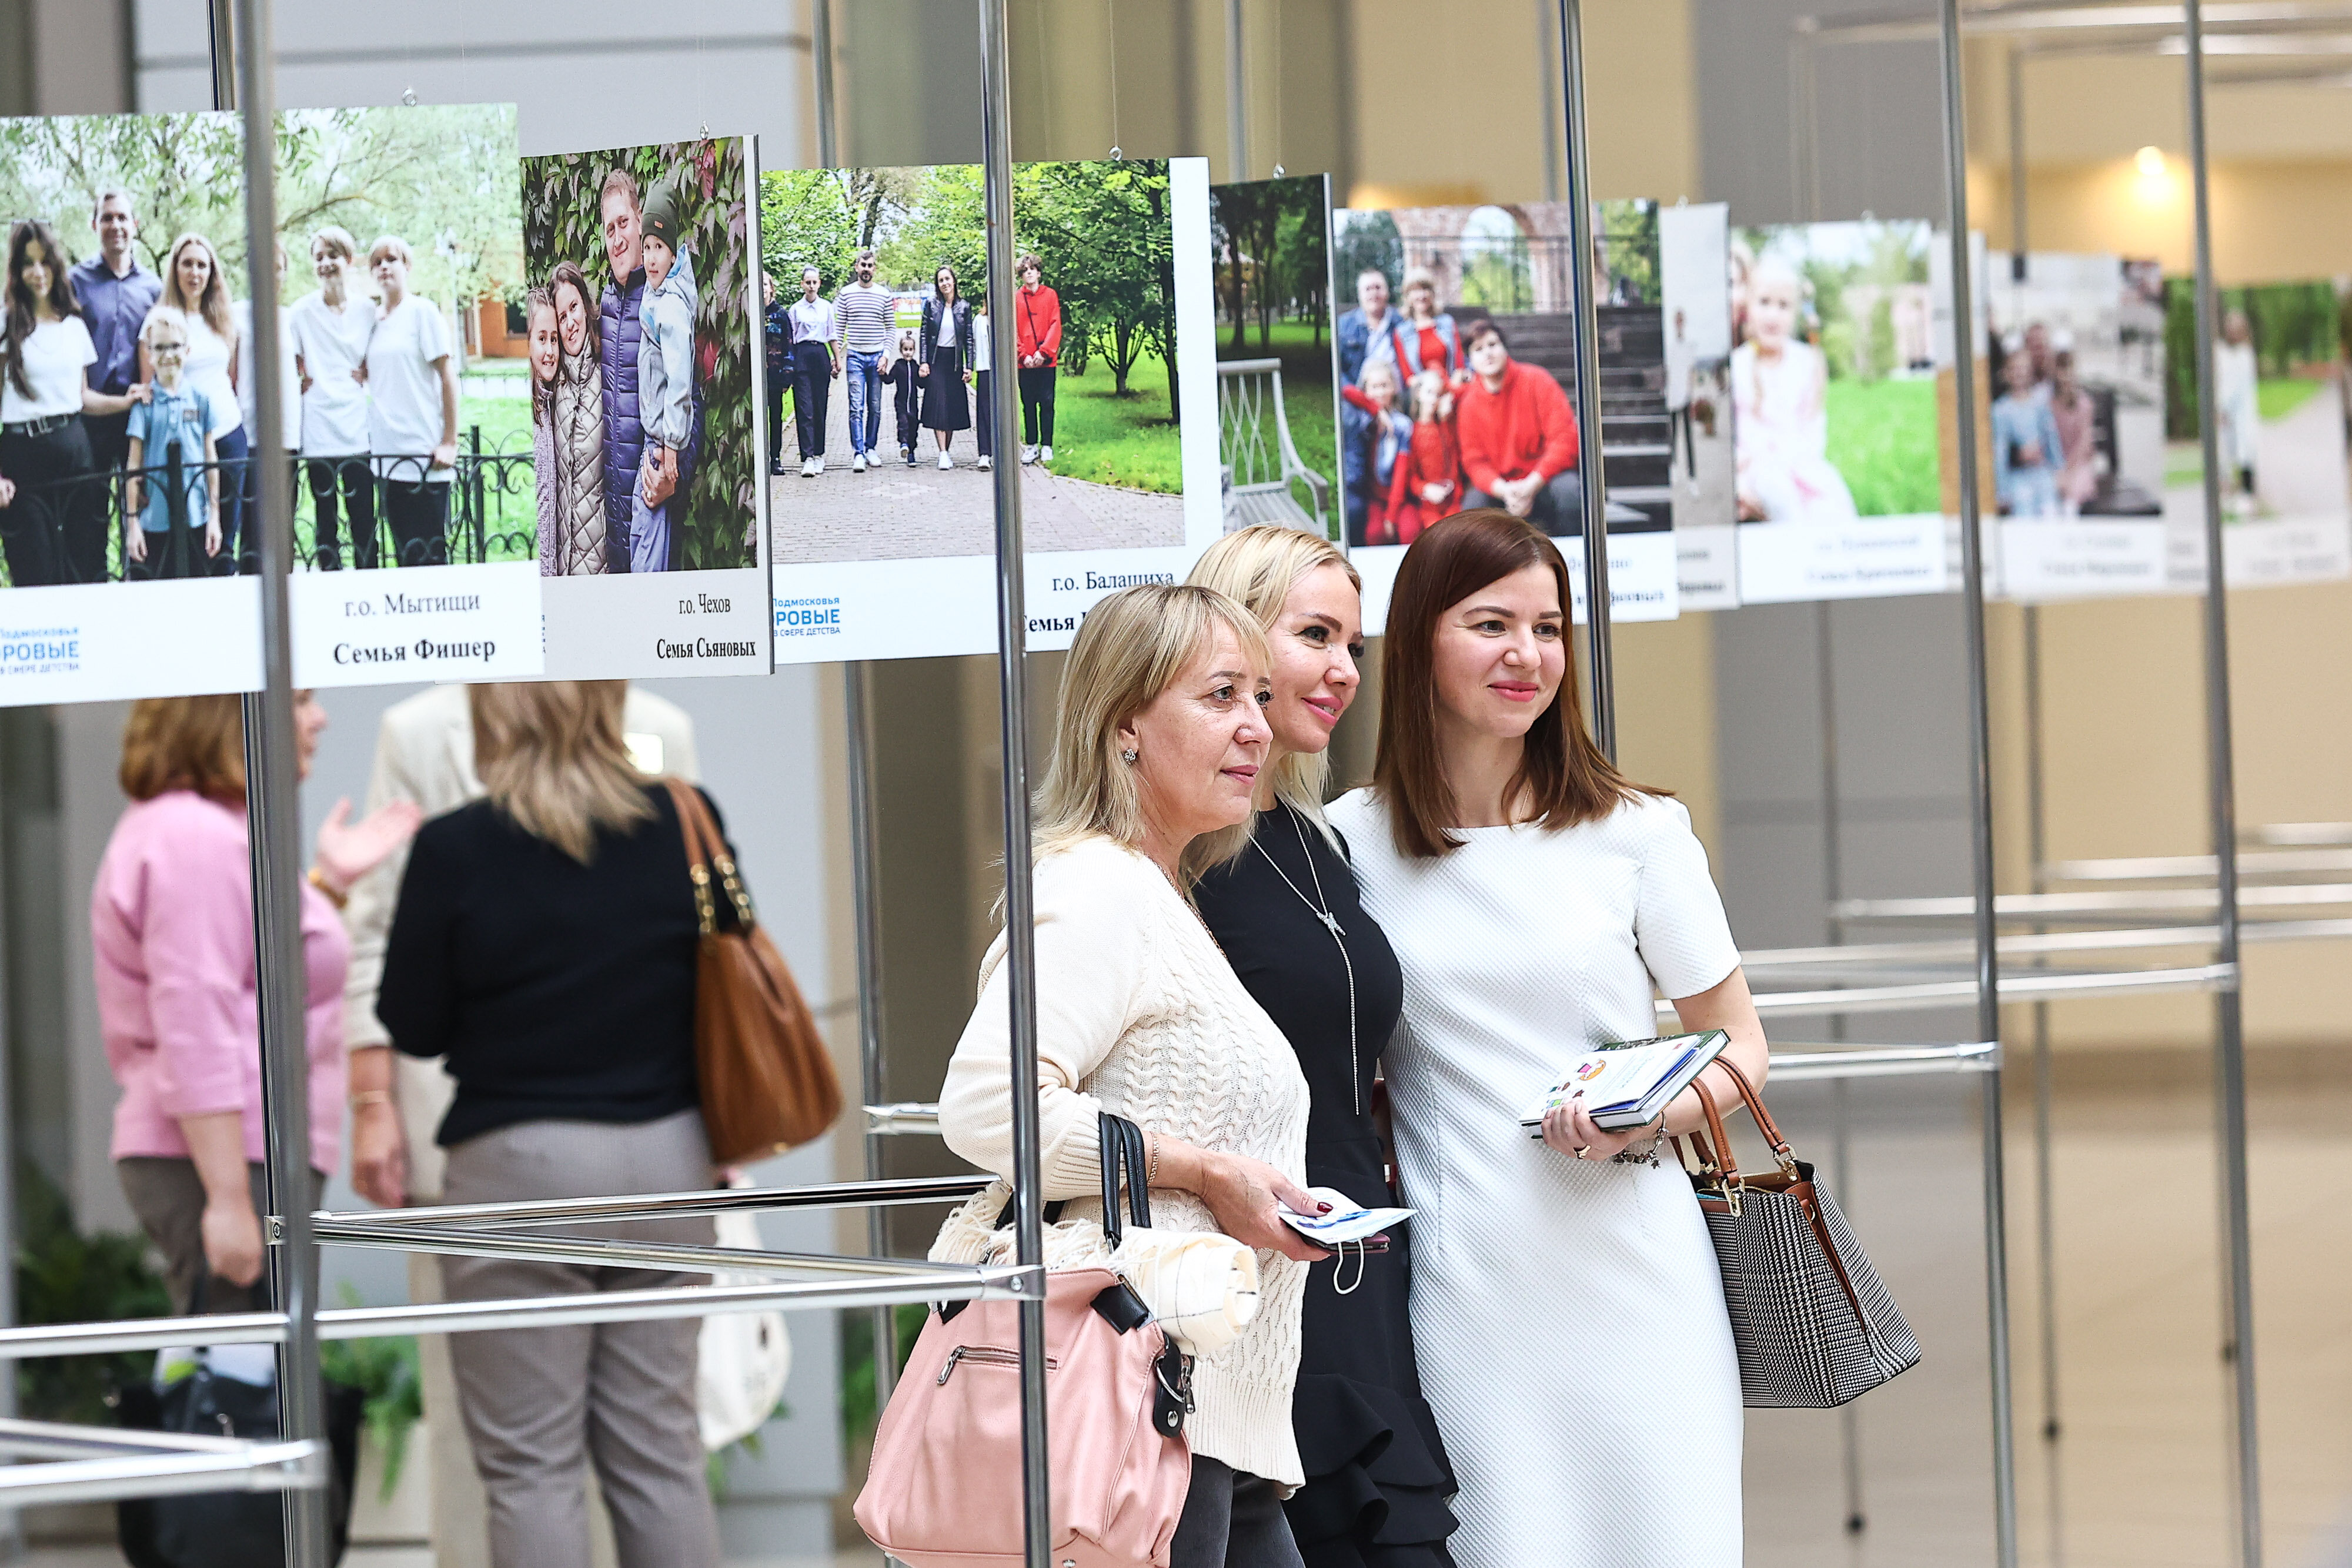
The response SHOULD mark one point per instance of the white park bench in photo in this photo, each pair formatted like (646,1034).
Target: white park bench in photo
(1254,450)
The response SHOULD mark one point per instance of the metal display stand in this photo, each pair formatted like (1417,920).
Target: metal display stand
(2060,954)
(2046,910)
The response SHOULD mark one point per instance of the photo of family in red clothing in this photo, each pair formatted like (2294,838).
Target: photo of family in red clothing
(1457,364)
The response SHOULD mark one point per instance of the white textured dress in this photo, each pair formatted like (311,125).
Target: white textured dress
(1567,1315)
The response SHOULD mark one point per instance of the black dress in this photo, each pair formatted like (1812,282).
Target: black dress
(1377,1483)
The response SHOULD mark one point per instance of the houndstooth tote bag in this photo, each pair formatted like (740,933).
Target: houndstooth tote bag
(1813,1326)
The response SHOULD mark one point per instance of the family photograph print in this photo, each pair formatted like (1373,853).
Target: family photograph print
(126,383)
(637,318)
(881,377)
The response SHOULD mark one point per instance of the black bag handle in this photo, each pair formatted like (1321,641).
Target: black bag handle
(1125,1156)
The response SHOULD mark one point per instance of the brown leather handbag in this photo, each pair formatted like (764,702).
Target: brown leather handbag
(766,1077)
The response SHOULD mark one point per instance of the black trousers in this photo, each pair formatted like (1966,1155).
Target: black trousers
(110,452)
(779,381)
(55,530)
(1558,509)
(811,389)
(418,511)
(983,410)
(354,479)
(1232,1520)
(1037,405)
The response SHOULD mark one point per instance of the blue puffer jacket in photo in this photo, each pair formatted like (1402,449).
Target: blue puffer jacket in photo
(625,436)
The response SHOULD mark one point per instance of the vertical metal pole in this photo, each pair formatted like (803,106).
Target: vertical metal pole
(828,130)
(1599,670)
(2230,1053)
(273,801)
(1804,128)
(1012,679)
(1237,163)
(1963,402)
(1857,1515)
(873,1081)
(2017,167)
(1547,55)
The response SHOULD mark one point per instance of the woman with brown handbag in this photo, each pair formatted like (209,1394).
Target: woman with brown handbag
(546,944)
(1159,742)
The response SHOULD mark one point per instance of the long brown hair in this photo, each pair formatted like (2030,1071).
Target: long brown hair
(185,743)
(22,311)
(212,306)
(1562,775)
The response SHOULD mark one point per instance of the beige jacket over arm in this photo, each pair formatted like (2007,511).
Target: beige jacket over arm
(425,753)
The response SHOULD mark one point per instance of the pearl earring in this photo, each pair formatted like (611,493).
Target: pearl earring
(1127,758)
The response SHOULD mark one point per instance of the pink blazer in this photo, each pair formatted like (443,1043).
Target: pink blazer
(171,925)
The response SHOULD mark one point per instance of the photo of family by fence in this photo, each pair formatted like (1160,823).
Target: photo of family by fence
(126,383)
(1834,379)
(637,321)
(881,377)
(1277,431)
(2075,355)
(1457,362)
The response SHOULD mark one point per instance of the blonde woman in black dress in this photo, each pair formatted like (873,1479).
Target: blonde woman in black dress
(1282,903)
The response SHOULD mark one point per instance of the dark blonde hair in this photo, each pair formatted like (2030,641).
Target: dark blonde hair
(185,743)
(1563,777)
(1130,647)
(553,761)
(212,306)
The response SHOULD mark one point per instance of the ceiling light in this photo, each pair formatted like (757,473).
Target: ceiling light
(2149,161)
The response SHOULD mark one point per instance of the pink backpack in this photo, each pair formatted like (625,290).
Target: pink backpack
(944,1487)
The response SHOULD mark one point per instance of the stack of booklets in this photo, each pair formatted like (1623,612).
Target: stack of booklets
(1631,1084)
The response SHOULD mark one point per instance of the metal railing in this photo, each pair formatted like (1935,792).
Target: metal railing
(489,513)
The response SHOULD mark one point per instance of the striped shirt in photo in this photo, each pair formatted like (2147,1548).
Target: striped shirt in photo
(865,315)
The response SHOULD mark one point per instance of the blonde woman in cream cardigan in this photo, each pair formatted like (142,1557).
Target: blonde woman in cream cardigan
(1160,741)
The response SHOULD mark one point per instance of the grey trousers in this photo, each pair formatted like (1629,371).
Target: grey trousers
(168,1197)
(539,1402)
(1232,1520)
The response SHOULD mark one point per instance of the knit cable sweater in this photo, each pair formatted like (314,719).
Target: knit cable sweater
(1138,1013)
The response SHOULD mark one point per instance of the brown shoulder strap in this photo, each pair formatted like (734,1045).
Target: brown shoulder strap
(691,822)
(1764,1123)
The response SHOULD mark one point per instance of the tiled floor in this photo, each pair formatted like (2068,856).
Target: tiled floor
(2139,1475)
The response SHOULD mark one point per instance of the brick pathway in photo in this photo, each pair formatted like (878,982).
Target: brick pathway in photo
(892,512)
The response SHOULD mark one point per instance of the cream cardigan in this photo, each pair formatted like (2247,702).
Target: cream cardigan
(1138,1013)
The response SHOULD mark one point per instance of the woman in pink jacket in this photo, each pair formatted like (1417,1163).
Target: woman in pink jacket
(172,934)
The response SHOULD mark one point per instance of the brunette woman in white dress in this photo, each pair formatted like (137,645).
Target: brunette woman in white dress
(1567,1311)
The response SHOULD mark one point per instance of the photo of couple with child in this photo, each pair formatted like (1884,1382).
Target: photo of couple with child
(638,331)
(1438,417)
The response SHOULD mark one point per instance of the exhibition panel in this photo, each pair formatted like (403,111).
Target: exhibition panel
(1901,390)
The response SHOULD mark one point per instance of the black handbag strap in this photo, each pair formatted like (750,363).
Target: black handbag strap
(1125,1160)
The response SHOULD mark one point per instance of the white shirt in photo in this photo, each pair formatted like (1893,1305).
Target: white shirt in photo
(404,388)
(206,371)
(980,345)
(334,344)
(248,385)
(811,321)
(57,353)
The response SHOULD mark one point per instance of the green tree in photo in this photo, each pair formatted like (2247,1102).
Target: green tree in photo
(1102,229)
(561,222)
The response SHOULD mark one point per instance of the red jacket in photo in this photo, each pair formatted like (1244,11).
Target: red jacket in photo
(1037,323)
(1527,427)
(1433,458)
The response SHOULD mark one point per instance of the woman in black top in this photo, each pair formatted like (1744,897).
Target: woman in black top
(545,944)
(1282,904)
(946,364)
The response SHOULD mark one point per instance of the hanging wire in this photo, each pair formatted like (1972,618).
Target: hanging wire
(1111,16)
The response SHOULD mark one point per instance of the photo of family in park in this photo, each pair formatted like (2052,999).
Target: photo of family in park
(1457,363)
(881,380)
(1834,386)
(127,383)
(2075,352)
(637,322)
(2280,399)
(1277,422)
